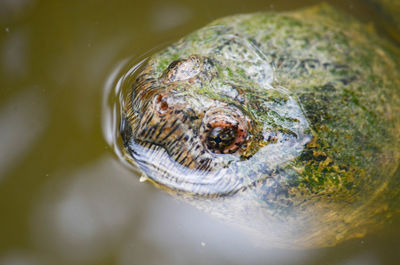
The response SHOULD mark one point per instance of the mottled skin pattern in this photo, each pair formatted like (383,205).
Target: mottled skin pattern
(284,124)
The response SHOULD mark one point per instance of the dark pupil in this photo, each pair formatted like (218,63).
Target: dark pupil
(220,138)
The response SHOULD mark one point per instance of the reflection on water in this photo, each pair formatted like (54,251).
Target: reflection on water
(364,258)
(24,112)
(12,9)
(15,54)
(85,215)
(21,258)
(169,15)
(64,196)
(175,226)
(113,95)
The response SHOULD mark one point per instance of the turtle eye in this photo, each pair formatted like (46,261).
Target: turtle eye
(223,131)
(220,138)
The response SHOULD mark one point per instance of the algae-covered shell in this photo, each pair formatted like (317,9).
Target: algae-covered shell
(284,124)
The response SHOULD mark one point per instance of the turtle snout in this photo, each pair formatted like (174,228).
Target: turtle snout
(169,122)
(162,119)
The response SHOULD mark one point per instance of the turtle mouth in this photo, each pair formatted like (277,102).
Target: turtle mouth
(161,169)
(167,124)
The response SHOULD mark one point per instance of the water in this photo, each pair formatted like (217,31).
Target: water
(65,198)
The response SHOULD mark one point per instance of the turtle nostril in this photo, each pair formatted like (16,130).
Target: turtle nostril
(159,98)
(164,106)
(161,103)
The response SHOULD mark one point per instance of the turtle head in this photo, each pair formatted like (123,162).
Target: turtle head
(205,124)
(188,125)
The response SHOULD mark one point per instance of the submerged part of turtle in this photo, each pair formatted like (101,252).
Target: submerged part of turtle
(285,124)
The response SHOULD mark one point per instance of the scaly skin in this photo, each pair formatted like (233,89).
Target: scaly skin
(308,103)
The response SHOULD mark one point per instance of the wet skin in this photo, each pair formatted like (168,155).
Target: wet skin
(285,124)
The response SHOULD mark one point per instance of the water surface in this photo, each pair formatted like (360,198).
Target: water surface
(65,198)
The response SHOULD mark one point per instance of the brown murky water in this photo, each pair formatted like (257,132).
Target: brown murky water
(65,198)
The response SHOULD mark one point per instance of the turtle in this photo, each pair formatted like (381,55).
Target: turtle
(284,124)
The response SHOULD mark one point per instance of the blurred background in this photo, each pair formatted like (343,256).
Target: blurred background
(65,198)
